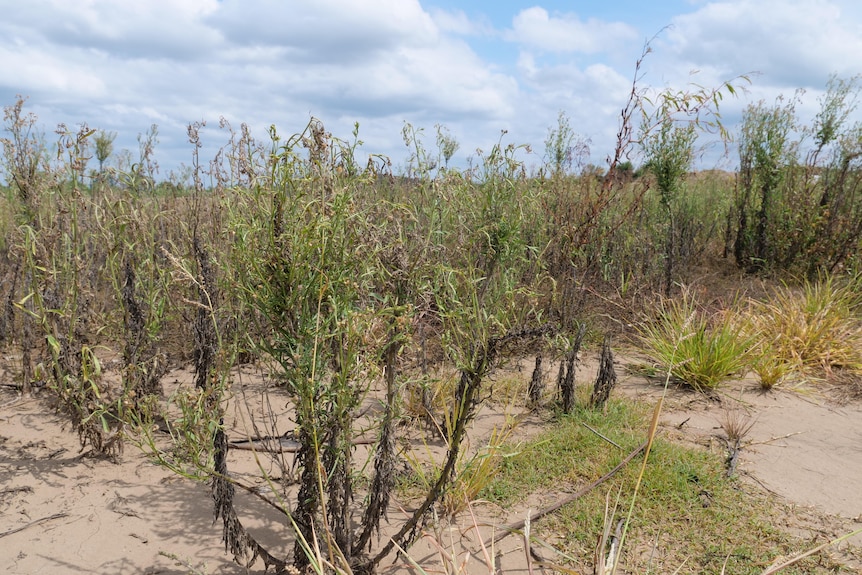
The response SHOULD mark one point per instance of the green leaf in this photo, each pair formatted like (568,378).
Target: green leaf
(53,343)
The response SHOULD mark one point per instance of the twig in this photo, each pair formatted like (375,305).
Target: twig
(759,482)
(11,490)
(518,525)
(14,401)
(767,441)
(32,523)
(527,548)
(612,552)
(56,452)
(282,445)
(599,560)
(778,566)
(733,459)
(610,301)
(602,436)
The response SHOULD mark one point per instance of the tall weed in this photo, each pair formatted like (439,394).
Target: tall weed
(797,208)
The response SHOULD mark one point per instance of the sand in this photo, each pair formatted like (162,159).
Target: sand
(62,511)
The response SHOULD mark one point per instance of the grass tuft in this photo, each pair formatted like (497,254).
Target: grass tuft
(698,348)
(689,513)
(816,327)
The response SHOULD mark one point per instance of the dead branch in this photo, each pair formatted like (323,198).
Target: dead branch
(281,445)
(519,525)
(25,489)
(770,440)
(32,523)
(609,440)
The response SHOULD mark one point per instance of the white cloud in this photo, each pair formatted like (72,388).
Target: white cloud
(592,98)
(553,79)
(123,66)
(457,22)
(34,69)
(535,28)
(372,58)
(326,30)
(127,29)
(791,44)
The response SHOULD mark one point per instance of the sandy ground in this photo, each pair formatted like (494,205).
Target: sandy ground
(803,445)
(65,512)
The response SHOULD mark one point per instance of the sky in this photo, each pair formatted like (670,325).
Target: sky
(477,68)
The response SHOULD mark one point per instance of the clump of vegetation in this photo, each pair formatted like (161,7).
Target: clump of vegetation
(669,153)
(813,329)
(771,369)
(700,348)
(343,279)
(686,495)
(472,474)
(797,208)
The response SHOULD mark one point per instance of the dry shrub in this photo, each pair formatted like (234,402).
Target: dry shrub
(813,329)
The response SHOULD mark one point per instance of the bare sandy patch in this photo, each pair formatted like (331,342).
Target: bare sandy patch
(66,512)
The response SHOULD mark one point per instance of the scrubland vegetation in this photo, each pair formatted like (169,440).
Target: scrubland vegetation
(349,280)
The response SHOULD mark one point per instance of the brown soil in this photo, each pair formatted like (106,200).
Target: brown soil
(62,511)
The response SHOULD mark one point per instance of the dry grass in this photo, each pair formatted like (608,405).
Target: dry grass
(736,424)
(813,330)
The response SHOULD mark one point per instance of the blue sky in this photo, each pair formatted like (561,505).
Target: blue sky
(475,67)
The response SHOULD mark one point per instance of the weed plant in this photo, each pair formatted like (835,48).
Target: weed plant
(54,250)
(700,349)
(794,204)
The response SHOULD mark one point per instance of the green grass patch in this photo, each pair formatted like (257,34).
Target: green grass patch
(702,349)
(688,512)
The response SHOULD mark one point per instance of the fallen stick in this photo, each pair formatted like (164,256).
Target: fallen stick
(733,458)
(25,489)
(770,440)
(266,445)
(518,525)
(282,445)
(778,565)
(612,442)
(32,523)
